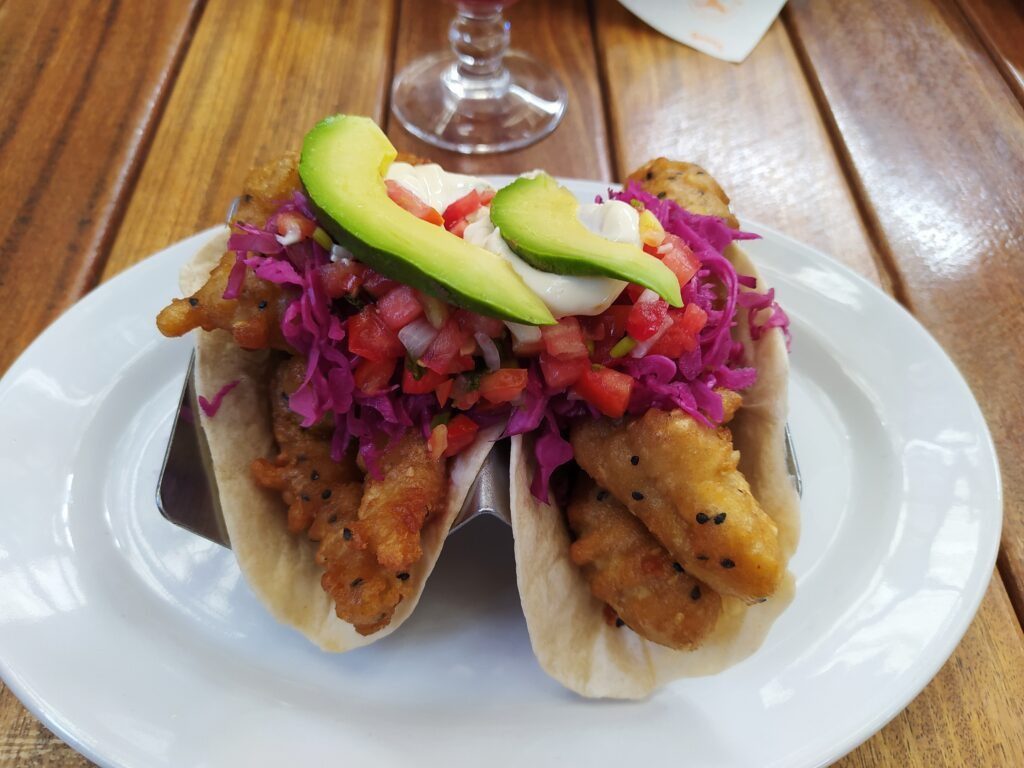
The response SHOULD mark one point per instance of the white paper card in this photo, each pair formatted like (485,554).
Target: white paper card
(725,29)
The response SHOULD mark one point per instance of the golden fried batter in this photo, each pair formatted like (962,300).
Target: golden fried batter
(688,184)
(629,570)
(323,498)
(394,508)
(682,481)
(254,318)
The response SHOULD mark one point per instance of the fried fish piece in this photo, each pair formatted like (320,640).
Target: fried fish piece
(254,318)
(630,571)
(323,498)
(682,481)
(688,184)
(395,507)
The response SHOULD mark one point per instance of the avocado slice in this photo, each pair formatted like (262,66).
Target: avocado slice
(538,219)
(344,159)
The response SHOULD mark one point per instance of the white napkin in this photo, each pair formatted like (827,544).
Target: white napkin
(725,29)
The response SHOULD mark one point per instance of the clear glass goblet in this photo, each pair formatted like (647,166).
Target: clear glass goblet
(479,96)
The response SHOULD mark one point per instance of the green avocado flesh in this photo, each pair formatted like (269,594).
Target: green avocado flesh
(344,159)
(538,219)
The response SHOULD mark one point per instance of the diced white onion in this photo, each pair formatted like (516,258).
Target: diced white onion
(339,254)
(524,334)
(647,297)
(416,337)
(489,349)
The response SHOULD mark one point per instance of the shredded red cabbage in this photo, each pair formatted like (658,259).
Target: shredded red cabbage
(210,407)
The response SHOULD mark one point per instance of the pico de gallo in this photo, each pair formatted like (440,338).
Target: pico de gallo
(383,357)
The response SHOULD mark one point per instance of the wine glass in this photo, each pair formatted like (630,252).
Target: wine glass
(479,96)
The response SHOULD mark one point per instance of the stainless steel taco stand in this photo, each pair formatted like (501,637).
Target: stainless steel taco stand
(187,492)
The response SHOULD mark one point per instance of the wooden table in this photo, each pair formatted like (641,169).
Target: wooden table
(889,134)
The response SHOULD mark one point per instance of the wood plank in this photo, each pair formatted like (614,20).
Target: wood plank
(670,100)
(79,93)
(26,743)
(1000,25)
(558,34)
(970,714)
(258,76)
(937,154)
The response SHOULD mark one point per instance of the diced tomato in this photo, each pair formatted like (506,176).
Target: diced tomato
(487,196)
(472,323)
(437,443)
(465,393)
(376,284)
(368,337)
(443,391)
(461,433)
(424,385)
(461,208)
(399,307)
(295,224)
(615,318)
(564,340)
(407,200)
(682,335)
(372,376)
(606,390)
(461,364)
(504,385)
(677,256)
(342,278)
(633,291)
(559,374)
(645,318)
(459,227)
(444,349)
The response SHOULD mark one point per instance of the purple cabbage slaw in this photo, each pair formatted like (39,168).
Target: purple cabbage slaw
(314,326)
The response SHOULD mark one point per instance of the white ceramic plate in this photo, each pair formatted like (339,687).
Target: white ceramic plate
(139,644)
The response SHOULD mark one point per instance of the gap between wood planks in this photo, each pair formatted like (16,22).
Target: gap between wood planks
(976,25)
(131,175)
(888,270)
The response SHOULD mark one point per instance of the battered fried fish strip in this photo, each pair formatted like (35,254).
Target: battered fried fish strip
(395,507)
(681,480)
(629,570)
(688,184)
(254,318)
(323,498)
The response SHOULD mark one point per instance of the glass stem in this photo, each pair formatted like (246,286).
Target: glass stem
(479,37)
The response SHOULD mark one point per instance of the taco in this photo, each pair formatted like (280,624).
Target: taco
(663,551)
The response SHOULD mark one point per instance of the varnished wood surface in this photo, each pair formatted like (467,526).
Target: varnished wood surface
(887,134)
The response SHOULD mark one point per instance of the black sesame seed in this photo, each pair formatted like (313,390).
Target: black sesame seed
(193,302)
(702,557)
(326,494)
(637,496)
(403,576)
(314,476)
(602,495)
(634,460)
(720,518)
(356,582)
(661,195)
(305,497)
(763,600)
(695,592)
(332,518)
(650,175)
(702,518)
(620,623)
(262,305)
(678,567)
(346,534)
(727,563)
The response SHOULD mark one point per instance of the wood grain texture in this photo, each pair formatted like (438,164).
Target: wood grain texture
(970,713)
(755,127)
(558,34)
(26,743)
(1000,25)
(237,103)
(935,142)
(79,89)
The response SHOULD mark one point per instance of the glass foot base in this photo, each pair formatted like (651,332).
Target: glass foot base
(478,115)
